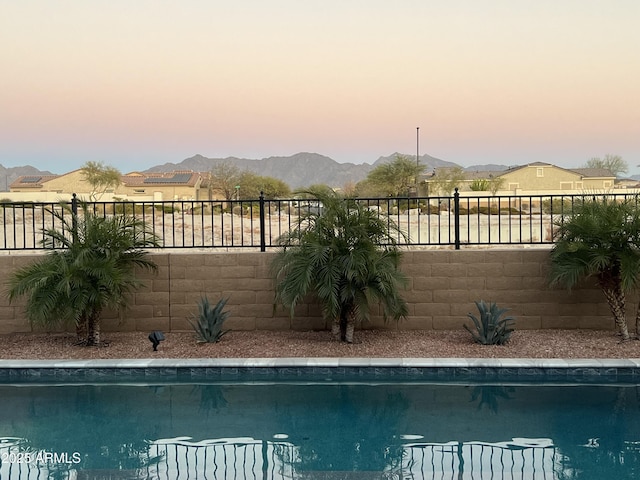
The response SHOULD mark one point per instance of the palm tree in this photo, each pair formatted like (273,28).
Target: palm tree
(90,267)
(601,239)
(345,255)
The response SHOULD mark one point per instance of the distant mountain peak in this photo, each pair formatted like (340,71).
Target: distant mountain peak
(298,170)
(9,175)
(426,160)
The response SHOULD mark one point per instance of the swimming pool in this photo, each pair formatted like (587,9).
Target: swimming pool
(324,421)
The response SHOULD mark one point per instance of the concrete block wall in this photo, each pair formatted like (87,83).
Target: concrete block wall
(443,285)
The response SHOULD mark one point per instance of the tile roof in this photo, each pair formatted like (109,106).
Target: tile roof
(183,178)
(134,179)
(31,181)
(593,172)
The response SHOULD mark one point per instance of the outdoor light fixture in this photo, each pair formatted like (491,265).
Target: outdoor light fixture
(155,338)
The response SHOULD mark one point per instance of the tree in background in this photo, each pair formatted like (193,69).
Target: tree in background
(224,177)
(614,163)
(495,184)
(251,184)
(445,181)
(349,189)
(366,189)
(394,178)
(244,184)
(491,184)
(312,191)
(100,177)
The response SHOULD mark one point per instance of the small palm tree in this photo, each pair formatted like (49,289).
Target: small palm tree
(601,239)
(91,267)
(345,255)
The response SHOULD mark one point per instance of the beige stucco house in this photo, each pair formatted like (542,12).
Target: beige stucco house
(67,184)
(536,178)
(179,185)
(544,177)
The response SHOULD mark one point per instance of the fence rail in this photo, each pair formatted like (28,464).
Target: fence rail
(256,224)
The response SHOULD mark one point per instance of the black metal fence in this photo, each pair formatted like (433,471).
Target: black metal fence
(256,224)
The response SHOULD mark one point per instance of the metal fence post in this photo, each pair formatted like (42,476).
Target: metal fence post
(263,246)
(74,217)
(456,219)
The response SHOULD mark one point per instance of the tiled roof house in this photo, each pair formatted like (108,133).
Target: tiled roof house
(179,185)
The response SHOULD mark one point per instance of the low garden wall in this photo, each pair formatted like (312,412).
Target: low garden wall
(443,284)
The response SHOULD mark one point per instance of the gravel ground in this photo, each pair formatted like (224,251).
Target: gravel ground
(370,343)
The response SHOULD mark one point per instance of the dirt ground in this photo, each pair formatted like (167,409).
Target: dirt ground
(369,343)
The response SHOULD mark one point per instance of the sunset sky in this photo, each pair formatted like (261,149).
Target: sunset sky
(139,83)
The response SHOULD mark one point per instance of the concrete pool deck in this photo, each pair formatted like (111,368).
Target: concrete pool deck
(324,369)
(329,362)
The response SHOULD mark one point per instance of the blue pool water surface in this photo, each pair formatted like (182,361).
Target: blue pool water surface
(322,430)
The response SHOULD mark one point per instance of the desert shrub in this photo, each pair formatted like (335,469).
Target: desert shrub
(510,210)
(483,210)
(492,210)
(480,185)
(432,209)
(129,208)
(490,328)
(208,323)
(557,206)
(240,210)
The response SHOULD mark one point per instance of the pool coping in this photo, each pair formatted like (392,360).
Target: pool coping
(327,362)
(334,369)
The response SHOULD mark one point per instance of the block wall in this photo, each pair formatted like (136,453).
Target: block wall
(443,284)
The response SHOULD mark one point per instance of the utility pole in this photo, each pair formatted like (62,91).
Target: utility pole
(417,147)
(417,156)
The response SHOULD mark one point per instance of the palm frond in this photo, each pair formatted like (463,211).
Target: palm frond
(600,237)
(339,254)
(94,270)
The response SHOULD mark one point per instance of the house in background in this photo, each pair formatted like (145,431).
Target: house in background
(179,185)
(32,184)
(544,177)
(631,183)
(534,179)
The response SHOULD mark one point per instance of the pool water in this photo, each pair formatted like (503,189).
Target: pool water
(320,430)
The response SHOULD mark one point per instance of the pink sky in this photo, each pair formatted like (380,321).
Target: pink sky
(135,84)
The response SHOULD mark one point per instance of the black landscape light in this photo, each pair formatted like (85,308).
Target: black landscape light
(155,338)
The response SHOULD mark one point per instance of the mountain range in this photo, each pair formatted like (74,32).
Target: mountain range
(8,175)
(298,170)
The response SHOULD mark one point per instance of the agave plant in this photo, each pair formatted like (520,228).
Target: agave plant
(491,328)
(209,321)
